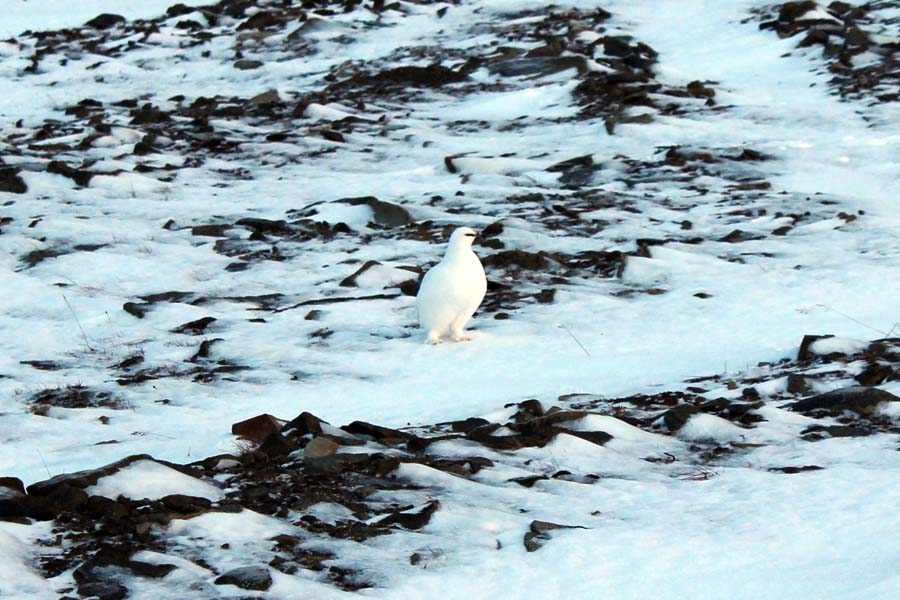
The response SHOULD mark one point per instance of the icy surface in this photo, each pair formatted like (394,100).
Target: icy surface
(678,310)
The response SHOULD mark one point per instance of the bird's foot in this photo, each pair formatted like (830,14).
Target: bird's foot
(461,337)
(433,340)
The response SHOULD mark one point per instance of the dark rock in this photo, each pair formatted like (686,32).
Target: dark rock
(492,230)
(11,182)
(336,463)
(305,423)
(595,437)
(247,578)
(790,11)
(185,505)
(258,428)
(697,89)
(79,176)
(528,410)
(12,483)
(676,417)
(430,76)
(856,37)
(384,213)
(382,435)
(537,66)
(466,425)
(529,480)
(350,280)
(148,114)
(136,310)
(617,46)
(545,296)
(796,384)
(82,479)
(105,21)
(538,533)
(76,396)
(820,432)
(66,498)
(204,350)
(813,37)
(97,568)
(887,349)
(793,470)
(320,447)
(195,327)
(14,504)
(276,445)
(519,258)
(738,236)
(212,230)
(875,374)
(410,288)
(805,353)
(247,65)
(103,590)
(266,226)
(333,136)
(411,519)
(861,400)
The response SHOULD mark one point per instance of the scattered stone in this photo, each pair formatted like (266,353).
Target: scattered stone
(821,432)
(350,280)
(79,176)
(676,417)
(794,470)
(247,65)
(320,447)
(103,590)
(195,327)
(276,445)
(538,533)
(414,518)
(805,353)
(538,66)
(258,428)
(186,505)
(305,423)
(382,435)
(247,578)
(861,400)
(76,396)
(105,21)
(384,213)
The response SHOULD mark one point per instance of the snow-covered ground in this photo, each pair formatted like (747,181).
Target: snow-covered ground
(652,529)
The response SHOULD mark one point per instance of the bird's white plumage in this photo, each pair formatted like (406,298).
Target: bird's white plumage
(452,290)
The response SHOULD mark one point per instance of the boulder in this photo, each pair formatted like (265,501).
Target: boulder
(247,578)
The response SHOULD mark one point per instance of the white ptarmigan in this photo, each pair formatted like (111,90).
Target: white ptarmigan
(452,290)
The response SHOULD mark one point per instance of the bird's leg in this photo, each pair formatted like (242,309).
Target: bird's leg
(433,338)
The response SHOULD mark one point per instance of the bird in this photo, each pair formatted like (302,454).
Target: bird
(452,290)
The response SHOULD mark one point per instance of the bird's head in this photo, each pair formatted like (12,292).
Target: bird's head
(462,238)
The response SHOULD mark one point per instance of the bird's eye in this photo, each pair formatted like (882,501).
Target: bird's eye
(470,235)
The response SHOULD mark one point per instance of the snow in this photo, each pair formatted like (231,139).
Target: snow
(660,530)
(17,575)
(41,15)
(151,480)
(836,344)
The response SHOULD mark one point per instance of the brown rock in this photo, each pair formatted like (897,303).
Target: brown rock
(320,447)
(276,445)
(258,428)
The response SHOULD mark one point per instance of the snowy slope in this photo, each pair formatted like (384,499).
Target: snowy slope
(737,202)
